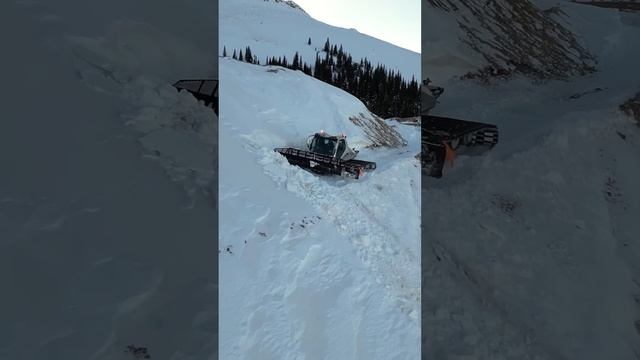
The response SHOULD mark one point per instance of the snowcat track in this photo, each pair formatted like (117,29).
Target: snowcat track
(367,165)
(323,164)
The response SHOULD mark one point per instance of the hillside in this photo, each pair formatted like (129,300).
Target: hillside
(540,259)
(275,28)
(499,38)
(320,267)
(106,214)
(312,266)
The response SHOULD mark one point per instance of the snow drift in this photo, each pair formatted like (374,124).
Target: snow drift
(540,259)
(105,227)
(320,267)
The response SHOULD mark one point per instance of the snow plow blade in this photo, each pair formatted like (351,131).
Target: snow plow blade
(325,165)
(462,136)
(202,89)
(468,133)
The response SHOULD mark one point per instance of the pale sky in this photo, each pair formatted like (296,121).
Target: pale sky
(394,21)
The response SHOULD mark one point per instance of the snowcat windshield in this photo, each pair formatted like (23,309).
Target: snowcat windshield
(323,145)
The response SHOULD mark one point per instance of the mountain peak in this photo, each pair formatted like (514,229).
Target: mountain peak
(290,3)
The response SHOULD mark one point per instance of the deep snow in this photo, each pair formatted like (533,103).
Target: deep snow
(312,266)
(531,250)
(107,223)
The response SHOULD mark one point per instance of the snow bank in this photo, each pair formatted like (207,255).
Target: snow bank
(138,64)
(326,267)
(531,246)
(547,247)
(98,245)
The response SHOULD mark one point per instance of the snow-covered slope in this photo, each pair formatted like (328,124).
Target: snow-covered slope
(532,247)
(107,231)
(275,28)
(313,267)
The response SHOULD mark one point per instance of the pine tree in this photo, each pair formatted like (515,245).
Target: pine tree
(295,63)
(247,55)
(326,46)
(240,57)
(309,41)
(306,69)
(382,90)
(235,56)
(224,51)
(316,67)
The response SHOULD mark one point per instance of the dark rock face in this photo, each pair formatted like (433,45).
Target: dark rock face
(631,107)
(515,36)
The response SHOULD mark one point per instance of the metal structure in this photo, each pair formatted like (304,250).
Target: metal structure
(202,89)
(444,137)
(328,155)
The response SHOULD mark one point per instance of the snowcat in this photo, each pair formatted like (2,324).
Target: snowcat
(327,155)
(202,89)
(444,137)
